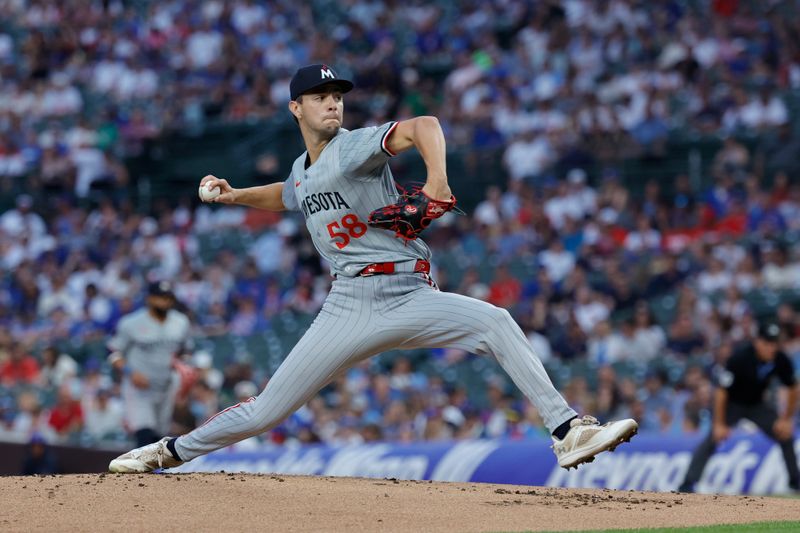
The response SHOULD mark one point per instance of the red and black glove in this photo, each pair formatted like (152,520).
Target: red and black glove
(411,214)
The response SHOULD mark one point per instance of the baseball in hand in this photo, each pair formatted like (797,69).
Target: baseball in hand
(207,194)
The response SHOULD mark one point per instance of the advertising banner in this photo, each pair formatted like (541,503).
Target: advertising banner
(744,464)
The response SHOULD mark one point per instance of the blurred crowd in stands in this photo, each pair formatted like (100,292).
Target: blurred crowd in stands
(601,262)
(551,84)
(85,83)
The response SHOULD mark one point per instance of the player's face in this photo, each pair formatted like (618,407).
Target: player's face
(323,111)
(159,304)
(765,349)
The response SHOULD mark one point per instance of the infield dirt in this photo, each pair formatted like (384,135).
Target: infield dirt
(245,502)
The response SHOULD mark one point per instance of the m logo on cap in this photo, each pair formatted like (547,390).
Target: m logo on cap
(311,77)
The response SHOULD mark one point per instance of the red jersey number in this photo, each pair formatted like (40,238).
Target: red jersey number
(353,226)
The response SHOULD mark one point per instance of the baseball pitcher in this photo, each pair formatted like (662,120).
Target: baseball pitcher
(146,341)
(383,296)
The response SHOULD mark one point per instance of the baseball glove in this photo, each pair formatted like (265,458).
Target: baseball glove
(411,214)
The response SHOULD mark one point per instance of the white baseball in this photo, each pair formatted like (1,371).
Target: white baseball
(207,194)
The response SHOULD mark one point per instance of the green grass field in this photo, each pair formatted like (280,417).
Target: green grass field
(730,528)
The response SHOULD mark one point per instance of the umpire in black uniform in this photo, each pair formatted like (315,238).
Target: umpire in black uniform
(740,394)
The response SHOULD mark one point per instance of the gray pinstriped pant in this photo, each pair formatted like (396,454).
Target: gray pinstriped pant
(364,316)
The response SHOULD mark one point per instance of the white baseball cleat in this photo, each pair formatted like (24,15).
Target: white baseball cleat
(586,438)
(145,459)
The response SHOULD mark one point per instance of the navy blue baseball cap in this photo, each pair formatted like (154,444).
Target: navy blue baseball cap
(160,288)
(769,331)
(313,76)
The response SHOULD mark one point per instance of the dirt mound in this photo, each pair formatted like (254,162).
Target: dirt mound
(244,502)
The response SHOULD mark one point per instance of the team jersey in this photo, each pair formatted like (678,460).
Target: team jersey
(149,345)
(337,193)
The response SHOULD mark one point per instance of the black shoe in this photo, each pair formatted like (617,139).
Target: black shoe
(685,488)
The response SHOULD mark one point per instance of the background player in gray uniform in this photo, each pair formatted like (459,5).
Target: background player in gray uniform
(146,341)
(382,297)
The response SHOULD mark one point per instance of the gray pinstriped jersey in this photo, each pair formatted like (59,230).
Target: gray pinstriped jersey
(336,194)
(149,345)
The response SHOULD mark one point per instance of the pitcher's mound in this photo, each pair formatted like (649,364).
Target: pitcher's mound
(245,502)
